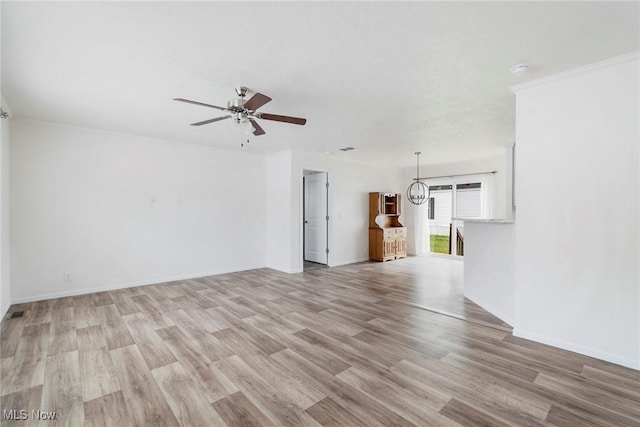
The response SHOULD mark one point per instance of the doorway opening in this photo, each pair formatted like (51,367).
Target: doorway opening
(450,202)
(315,218)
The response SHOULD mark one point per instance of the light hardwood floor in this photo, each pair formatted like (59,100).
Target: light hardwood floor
(343,346)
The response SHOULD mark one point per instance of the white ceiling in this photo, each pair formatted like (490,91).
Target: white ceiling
(387,78)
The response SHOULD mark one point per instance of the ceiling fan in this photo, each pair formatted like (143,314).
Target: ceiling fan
(242,111)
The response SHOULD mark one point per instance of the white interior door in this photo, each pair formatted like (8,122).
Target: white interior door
(315,217)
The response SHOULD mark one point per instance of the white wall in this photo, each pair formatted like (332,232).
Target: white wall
(501,193)
(489,267)
(578,216)
(278,242)
(115,210)
(5,229)
(350,184)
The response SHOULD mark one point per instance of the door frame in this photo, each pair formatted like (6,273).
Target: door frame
(453,181)
(301,207)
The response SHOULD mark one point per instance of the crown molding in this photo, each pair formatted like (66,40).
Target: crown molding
(634,56)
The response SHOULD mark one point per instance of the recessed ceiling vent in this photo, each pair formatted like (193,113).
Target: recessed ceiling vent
(347,149)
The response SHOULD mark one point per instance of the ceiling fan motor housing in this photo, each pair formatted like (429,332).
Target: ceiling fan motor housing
(236,104)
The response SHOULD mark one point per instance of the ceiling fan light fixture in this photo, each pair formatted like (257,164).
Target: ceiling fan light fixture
(241,124)
(247,128)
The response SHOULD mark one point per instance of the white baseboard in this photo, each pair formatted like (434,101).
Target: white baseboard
(349,261)
(112,287)
(300,268)
(282,269)
(4,310)
(577,348)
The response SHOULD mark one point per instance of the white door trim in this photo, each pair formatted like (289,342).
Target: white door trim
(300,257)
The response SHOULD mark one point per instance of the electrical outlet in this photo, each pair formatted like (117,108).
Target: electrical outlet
(66,277)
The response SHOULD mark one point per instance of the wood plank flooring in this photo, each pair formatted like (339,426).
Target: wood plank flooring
(344,346)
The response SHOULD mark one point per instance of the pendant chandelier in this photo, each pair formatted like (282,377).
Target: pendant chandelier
(418,191)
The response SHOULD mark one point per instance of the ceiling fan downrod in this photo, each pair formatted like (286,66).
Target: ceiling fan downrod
(242,91)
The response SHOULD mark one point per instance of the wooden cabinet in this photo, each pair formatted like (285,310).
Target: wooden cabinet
(387,236)
(386,204)
(401,242)
(387,244)
(389,249)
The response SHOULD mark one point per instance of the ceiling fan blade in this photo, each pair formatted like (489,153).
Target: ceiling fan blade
(257,130)
(188,101)
(286,119)
(210,121)
(256,101)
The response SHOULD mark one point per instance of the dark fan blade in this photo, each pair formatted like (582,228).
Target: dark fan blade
(286,119)
(257,130)
(188,101)
(210,121)
(256,101)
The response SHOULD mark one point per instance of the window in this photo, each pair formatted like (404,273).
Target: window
(431,208)
(448,203)
(468,200)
